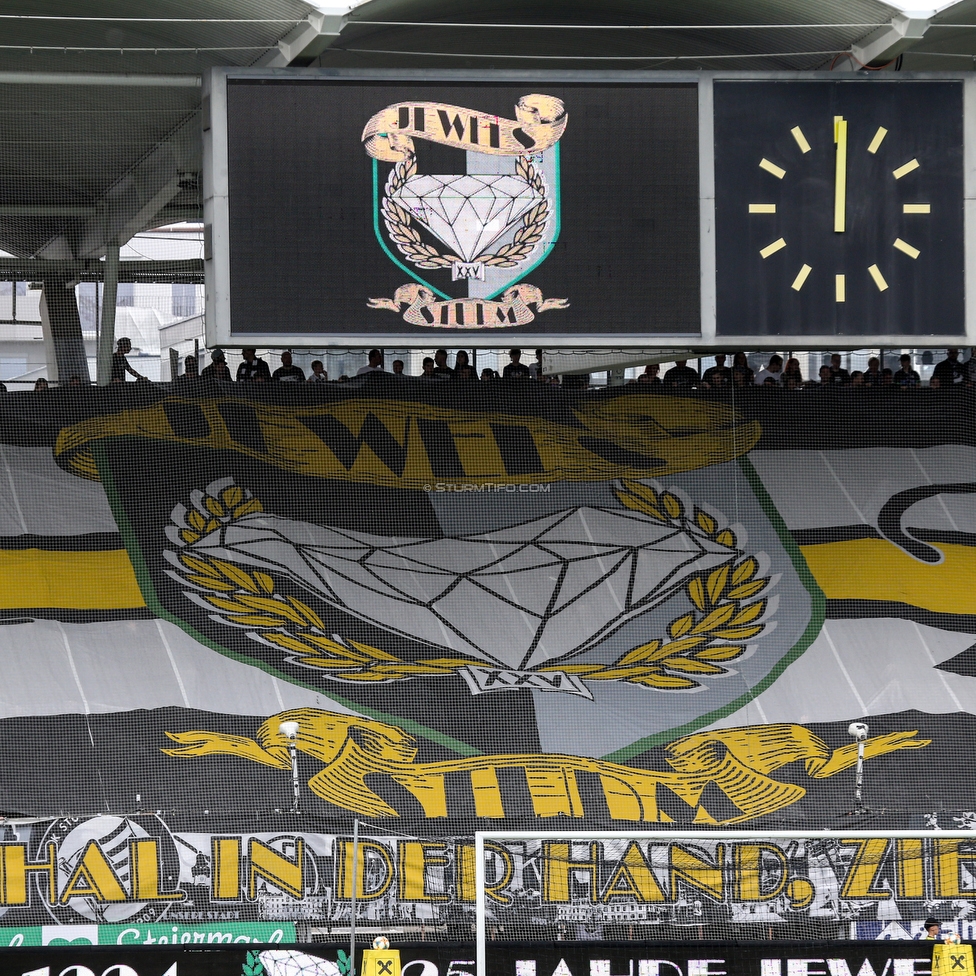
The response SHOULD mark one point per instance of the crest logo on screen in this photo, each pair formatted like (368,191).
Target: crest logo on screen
(467,238)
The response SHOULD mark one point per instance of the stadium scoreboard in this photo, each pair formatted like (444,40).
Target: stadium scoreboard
(643,208)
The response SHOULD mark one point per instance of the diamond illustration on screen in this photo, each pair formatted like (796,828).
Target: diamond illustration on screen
(467,239)
(467,213)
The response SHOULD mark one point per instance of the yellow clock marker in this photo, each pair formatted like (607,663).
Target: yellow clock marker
(909,167)
(801,139)
(878,277)
(875,144)
(762,208)
(917,208)
(906,248)
(840,288)
(840,176)
(769,167)
(801,277)
(772,248)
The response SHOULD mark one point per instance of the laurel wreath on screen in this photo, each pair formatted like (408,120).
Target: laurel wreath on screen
(399,223)
(726,608)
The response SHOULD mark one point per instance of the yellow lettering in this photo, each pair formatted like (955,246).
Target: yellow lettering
(225,884)
(633,876)
(558,868)
(464,873)
(910,878)
(748,860)
(413,859)
(94,876)
(267,863)
(689,868)
(864,869)
(367,850)
(14,868)
(144,872)
(945,863)
(487,795)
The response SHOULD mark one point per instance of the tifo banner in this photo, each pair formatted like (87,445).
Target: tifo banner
(445,610)
(133,881)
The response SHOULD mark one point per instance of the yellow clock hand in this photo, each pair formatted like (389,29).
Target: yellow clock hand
(840,175)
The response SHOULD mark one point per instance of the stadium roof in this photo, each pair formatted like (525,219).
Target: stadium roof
(103,139)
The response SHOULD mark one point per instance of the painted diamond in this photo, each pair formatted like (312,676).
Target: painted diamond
(519,596)
(467,213)
(291,962)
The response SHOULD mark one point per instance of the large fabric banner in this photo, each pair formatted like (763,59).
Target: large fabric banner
(506,608)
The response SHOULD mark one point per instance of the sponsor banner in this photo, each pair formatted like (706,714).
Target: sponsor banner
(697,958)
(147,934)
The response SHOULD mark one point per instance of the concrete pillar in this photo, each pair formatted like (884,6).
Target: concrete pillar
(106,330)
(61,327)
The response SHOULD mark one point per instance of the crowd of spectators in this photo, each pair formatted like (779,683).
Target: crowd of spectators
(952,372)
(780,375)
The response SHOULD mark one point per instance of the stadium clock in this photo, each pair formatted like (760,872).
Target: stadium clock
(840,208)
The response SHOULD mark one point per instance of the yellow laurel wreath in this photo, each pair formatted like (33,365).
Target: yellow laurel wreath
(721,613)
(407,238)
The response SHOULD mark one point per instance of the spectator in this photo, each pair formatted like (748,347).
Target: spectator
(343,378)
(769,383)
(857,380)
(790,381)
(516,369)
(120,365)
(217,371)
(288,372)
(191,371)
(535,368)
(935,383)
(41,385)
(398,367)
(719,369)
(375,364)
(465,373)
(950,372)
(649,379)
(826,378)
(741,366)
(253,370)
(488,374)
(906,378)
(774,372)
(74,382)
(441,369)
(971,366)
(427,370)
(742,379)
(887,377)
(838,376)
(318,374)
(681,376)
(792,369)
(460,362)
(873,376)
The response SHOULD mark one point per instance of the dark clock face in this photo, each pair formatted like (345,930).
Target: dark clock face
(839,207)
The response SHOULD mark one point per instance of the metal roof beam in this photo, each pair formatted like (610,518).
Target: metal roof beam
(307,40)
(886,43)
(16,269)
